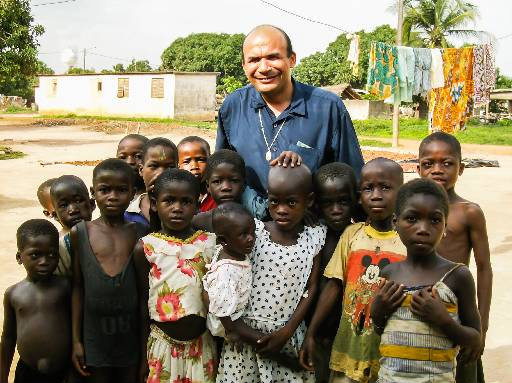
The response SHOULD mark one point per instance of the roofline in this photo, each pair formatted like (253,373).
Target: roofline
(127,74)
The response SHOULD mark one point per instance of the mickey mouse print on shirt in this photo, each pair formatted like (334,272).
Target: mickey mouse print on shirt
(362,282)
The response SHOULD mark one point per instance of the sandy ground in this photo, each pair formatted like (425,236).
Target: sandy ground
(490,187)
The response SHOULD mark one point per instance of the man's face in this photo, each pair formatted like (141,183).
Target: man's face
(266,63)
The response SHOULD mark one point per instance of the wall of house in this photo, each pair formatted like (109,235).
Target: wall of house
(364,109)
(195,96)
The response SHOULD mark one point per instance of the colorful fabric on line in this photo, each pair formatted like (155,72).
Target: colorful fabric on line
(406,72)
(484,73)
(171,360)
(357,260)
(451,105)
(436,70)
(353,54)
(414,351)
(422,64)
(382,70)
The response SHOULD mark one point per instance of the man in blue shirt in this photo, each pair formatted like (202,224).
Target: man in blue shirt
(276,114)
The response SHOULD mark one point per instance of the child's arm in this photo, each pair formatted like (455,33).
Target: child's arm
(428,306)
(8,337)
(274,342)
(332,290)
(142,268)
(480,244)
(77,295)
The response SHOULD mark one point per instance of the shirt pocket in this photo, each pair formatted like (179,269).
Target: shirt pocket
(310,156)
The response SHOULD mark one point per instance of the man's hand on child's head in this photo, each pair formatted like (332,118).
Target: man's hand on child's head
(287,158)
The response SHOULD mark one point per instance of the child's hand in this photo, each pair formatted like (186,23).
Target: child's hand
(234,338)
(273,343)
(389,297)
(78,359)
(468,355)
(306,353)
(428,306)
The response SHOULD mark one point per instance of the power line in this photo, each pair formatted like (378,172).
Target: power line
(52,3)
(304,17)
(119,58)
(504,37)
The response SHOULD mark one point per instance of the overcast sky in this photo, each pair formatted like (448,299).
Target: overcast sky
(142,29)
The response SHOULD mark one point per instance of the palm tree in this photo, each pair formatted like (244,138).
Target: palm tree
(433,22)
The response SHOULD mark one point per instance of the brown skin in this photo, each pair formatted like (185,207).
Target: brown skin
(176,205)
(421,225)
(130,151)
(47,204)
(193,157)
(379,184)
(72,205)
(36,312)
(112,240)
(268,67)
(466,228)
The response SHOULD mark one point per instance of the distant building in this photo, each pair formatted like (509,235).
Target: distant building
(188,95)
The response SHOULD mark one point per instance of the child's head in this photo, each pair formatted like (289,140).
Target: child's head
(193,153)
(335,192)
(43,195)
(130,150)
(290,193)
(380,180)
(71,200)
(38,248)
(420,215)
(158,154)
(175,199)
(440,159)
(225,176)
(112,187)
(234,228)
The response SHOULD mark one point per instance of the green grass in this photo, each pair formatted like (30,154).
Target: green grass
(414,129)
(196,124)
(370,142)
(7,153)
(12,109)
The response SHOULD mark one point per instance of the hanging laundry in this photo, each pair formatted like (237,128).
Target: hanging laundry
(451,105)
(406,60)
(382,70)
(484,73)
(353,53)
(436,70)
(422,64)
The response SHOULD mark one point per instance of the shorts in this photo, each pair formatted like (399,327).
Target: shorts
(26,374)
(172,360)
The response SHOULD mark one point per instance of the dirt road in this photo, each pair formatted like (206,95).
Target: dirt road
(490,187)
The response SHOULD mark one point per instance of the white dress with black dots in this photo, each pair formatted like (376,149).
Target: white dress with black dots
(280,275)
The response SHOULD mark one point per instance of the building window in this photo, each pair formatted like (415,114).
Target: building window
(157,88)
(53,88)
(99,86)
(123,87)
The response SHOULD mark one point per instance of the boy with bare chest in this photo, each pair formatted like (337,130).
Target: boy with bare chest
(36,310)
(440,160)
(105,300)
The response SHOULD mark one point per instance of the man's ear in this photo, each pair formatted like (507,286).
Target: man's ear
(293,60)
(461,168)
(18,257)
(311,200)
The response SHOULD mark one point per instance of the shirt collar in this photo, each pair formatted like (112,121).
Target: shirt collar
(297,106)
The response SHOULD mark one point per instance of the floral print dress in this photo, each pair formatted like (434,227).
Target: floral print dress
(177,268)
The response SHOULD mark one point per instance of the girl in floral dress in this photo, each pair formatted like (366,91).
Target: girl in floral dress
(170,264)
(285,273)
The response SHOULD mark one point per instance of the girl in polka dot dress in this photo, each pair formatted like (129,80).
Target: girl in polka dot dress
(285,274)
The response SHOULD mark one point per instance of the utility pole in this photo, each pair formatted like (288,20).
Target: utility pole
(396,105)
(85,50)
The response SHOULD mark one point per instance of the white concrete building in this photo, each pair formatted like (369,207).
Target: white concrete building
(188,95)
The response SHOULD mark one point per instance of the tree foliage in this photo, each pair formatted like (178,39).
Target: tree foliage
(207,52)
(80,70)
(18,48)
(331,67)
(139,66)
(42,68)
(435,21)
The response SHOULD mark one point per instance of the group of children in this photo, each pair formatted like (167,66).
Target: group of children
(175,282)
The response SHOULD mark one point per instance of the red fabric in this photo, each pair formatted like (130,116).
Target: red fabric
(207,204)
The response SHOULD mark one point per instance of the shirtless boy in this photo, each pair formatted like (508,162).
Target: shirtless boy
(440,159)
(36,310)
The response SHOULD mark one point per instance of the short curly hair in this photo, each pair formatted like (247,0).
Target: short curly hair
(421,186)
(225,156)
(448,139)
(35,228)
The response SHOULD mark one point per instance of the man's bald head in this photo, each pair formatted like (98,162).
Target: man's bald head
(265,28)
(296,179)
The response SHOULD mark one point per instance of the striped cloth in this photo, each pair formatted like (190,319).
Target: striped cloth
(414,351)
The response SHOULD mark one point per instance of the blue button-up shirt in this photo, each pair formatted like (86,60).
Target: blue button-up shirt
(317,126)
